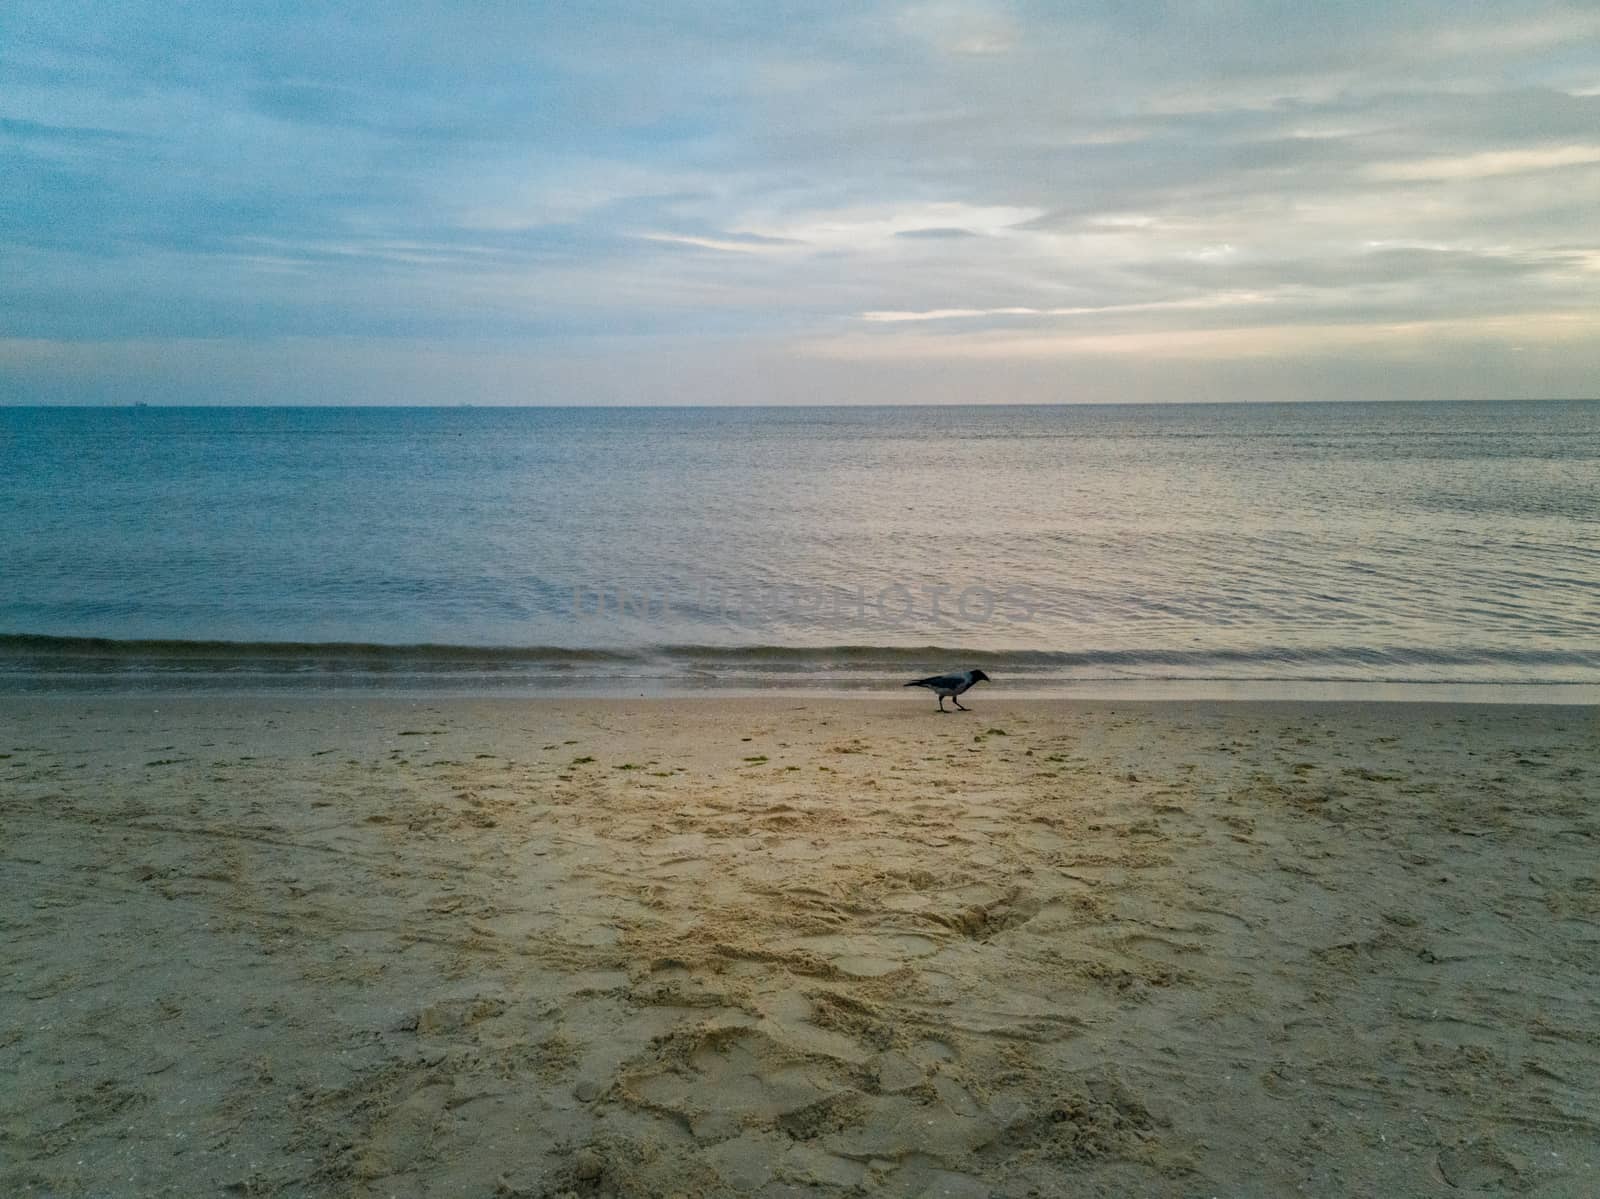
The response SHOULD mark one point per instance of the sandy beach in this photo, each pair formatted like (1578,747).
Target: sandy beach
(798,946)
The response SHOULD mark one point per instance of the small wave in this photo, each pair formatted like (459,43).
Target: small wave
(868,656)
(18,645)
(29,661)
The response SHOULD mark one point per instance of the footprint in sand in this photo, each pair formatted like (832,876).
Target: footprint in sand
(596,936)
(869,955)
(1478,1166)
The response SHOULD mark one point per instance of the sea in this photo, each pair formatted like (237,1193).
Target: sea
(1343,550)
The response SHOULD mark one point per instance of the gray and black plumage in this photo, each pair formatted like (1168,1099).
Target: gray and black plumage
(948,686)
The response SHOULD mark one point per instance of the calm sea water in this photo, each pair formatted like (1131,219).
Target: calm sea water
(1062,546)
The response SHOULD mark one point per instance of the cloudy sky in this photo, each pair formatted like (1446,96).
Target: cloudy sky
(960,200)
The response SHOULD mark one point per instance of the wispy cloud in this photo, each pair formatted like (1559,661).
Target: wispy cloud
(1487,163)
(728,243)
(1225,300)
(1575,328)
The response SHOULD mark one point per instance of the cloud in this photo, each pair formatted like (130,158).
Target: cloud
(729,243)
(1577,328)
(1225,300)
(1001,176)
(961,27)
(1486,163)
(866,225)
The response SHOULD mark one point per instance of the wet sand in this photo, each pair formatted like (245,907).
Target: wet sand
(788,947)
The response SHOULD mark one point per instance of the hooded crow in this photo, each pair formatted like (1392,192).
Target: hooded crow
(951,685)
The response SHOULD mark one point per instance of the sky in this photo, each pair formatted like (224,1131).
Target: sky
(954,201)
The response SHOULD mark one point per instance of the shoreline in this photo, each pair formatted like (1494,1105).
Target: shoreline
(913,705)
(398,947)
(1183,691)
(37,665)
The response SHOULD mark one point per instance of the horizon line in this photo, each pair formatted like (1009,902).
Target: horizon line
(601,407)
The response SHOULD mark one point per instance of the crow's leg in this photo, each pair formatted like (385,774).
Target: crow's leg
(942,708)
(957,703)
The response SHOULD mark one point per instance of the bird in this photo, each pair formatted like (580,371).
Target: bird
(951,685)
